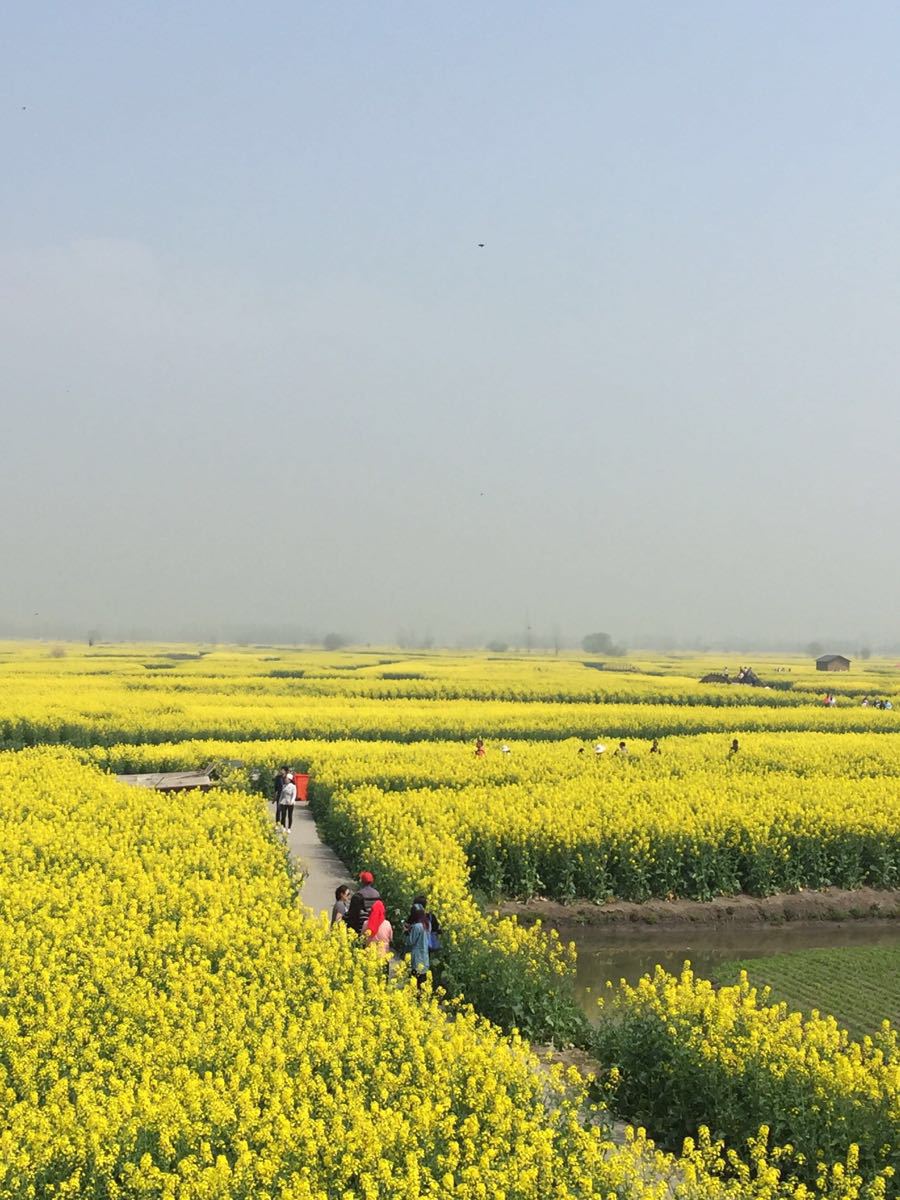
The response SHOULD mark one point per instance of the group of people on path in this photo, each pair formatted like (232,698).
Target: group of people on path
(830,701)
(621,751)
(364,914)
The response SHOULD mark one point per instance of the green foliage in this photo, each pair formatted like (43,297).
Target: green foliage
(858,985)
(687,1056)
(601,643)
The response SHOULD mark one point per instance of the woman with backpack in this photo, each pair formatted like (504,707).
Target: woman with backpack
(420,959)
(432,924)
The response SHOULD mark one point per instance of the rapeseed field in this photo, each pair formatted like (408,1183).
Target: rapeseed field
(172,1024)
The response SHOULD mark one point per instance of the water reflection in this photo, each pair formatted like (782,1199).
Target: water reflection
(606,955)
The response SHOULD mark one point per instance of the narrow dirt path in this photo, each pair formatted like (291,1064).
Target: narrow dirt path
(322,868)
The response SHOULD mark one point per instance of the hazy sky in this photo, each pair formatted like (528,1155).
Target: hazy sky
(256,369)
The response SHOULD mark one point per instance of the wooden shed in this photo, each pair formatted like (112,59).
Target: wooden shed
(181,781)
(170,781)
(832,662)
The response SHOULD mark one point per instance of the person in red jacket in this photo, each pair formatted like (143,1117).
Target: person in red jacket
(362,902)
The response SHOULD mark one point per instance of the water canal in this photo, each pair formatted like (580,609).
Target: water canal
(604,955)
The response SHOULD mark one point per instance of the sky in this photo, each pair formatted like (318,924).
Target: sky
(259,376)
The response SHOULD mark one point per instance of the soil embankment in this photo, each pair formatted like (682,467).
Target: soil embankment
(829,904)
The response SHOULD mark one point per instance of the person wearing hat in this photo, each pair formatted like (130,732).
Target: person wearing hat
(288,799)
(362,902)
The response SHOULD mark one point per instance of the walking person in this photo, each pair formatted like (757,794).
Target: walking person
(276,792)
(288,799)
(341,904)
(361,902)
(420,959)
(735,747)
(379,933)
(432,924)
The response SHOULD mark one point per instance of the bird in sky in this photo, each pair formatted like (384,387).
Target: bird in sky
(481,245)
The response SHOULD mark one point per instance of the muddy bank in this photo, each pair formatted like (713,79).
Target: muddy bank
(621,917)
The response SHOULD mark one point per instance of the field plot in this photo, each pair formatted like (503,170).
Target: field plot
(688,1055)
(173,1026)
(167,1011)
(858,985)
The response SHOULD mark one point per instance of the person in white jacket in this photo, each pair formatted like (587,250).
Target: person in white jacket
(288,799)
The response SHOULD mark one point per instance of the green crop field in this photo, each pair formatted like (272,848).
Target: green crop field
(858,985)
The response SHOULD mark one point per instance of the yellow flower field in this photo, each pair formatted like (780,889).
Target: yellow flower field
(172,1025)
(687,1055)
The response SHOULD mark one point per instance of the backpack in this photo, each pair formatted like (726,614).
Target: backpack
(434,933)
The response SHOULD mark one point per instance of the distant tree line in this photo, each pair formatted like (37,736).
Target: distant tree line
(602,643)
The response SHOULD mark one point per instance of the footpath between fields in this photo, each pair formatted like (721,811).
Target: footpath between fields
(322,870)
(625,916)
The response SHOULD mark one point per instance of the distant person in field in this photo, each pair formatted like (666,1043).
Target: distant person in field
(288,799)
(599,749)
(654,749)
(361,902)
(622,750)
(378,930)
(420,959)
(479,748)
(341,904)
(888,704)
(276,792)
(735,747)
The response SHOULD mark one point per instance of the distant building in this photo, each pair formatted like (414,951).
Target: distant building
(832,662)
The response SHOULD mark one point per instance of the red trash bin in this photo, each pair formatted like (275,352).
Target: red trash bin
(301,782)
